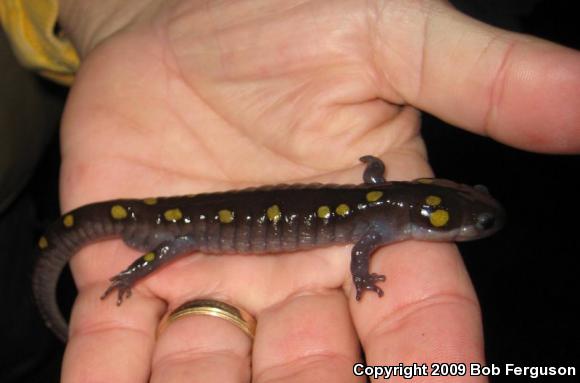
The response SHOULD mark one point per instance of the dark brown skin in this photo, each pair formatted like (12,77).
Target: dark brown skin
(271,219)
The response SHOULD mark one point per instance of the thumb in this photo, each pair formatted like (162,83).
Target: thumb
(517,89)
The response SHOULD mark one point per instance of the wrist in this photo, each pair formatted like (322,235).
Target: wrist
(87,22)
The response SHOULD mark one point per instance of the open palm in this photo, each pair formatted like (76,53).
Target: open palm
(202,96)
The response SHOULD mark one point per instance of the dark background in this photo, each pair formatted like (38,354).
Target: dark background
(526,276)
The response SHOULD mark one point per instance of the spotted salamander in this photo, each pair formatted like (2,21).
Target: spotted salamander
(268,219)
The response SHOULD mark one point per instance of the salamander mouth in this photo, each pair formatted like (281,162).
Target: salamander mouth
(427,234)
(468,233)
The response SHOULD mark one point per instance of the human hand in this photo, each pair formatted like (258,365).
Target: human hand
(189,96)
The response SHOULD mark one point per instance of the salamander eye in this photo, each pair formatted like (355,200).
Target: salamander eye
(485,221)
(481,188)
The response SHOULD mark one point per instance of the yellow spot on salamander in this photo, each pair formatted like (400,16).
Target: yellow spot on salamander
(68,220)
(149,257)
(343,210)
(43,242)
(118,212)
(323,212)
(433,200)
(439,218)
(274,214)
(225,216)
(173,215)
(374,196)
(424,180)
(150,201)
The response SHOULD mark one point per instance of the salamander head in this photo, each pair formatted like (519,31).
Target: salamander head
(443,210)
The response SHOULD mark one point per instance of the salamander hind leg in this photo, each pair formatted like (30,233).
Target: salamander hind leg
(375,170)
(144,240)
(359,265)
(146,264)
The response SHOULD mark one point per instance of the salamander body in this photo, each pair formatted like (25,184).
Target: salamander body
(270,219)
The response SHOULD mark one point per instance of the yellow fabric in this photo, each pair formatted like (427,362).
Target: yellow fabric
(29,25)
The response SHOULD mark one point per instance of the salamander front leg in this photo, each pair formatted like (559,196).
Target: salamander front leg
(359,264)
(147,263)
(375,170)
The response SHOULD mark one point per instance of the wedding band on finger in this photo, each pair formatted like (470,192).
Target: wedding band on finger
(211,307)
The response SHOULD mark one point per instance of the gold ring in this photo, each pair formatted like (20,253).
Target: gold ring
(236,316)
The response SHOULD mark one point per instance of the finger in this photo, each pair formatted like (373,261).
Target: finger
(429,312)
(110,343)
(202,349)
(306,339)
(520,90)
